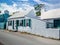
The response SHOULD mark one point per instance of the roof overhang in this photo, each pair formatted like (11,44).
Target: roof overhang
(51,14)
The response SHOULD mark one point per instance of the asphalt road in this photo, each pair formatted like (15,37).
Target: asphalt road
(15,38)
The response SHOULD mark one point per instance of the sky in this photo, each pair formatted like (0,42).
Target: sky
(16,5)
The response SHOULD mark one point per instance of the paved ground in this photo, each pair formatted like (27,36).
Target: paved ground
(1,43)
(14,38)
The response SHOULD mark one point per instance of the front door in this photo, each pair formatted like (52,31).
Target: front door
(17,24)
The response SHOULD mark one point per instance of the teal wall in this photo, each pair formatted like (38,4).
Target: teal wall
(2,25)
(3,20)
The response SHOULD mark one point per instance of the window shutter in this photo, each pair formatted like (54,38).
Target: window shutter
(29,22)
(24,22)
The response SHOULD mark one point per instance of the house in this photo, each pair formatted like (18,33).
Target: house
(52,18)
(3,19)
(27,21)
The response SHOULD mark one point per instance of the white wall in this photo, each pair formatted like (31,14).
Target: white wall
(38,27)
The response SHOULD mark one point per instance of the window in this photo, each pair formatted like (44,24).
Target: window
(57,23)
(17,22)
(49,25)
(25,22)
(28,22)
(9,23)
(21,22)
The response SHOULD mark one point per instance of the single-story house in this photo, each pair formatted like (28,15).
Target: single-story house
(27,21)
(52,18)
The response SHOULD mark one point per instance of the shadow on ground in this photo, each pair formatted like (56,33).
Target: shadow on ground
(1,43)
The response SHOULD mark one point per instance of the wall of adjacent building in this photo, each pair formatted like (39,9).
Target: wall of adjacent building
(2,25)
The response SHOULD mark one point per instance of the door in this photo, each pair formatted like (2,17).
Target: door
(17,24)
(13,24)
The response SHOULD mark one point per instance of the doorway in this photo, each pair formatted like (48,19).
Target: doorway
(13,24)
(17,24)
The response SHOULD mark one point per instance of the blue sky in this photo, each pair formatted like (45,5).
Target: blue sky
(50,4)
(47,1)
(52,1)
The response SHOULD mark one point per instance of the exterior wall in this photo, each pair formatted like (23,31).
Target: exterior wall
(49,20)
(3,20)
(38,27)
(20,28)
(9,27)
(2,25)
(53,33)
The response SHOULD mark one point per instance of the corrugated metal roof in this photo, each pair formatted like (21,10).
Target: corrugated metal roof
(55,13)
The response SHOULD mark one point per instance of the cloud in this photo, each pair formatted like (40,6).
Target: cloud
(41,2)
(10,8)
(13,8)
(16,6)
(48,5)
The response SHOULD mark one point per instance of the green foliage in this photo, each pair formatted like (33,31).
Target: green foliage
(38,9)
(38,13)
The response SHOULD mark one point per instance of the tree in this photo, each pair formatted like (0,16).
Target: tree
(38,8)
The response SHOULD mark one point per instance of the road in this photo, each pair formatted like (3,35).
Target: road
(16,38)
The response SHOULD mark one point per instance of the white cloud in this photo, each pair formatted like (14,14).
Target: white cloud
(41,2)
(48,5)
(10,8)
(13,8)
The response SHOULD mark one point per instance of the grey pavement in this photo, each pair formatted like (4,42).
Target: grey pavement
(16,38)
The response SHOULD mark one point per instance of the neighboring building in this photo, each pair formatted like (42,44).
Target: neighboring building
(3,19)
(52,18)
(27,21)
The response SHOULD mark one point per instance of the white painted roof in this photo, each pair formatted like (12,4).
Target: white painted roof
(55,13)
(21,13)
